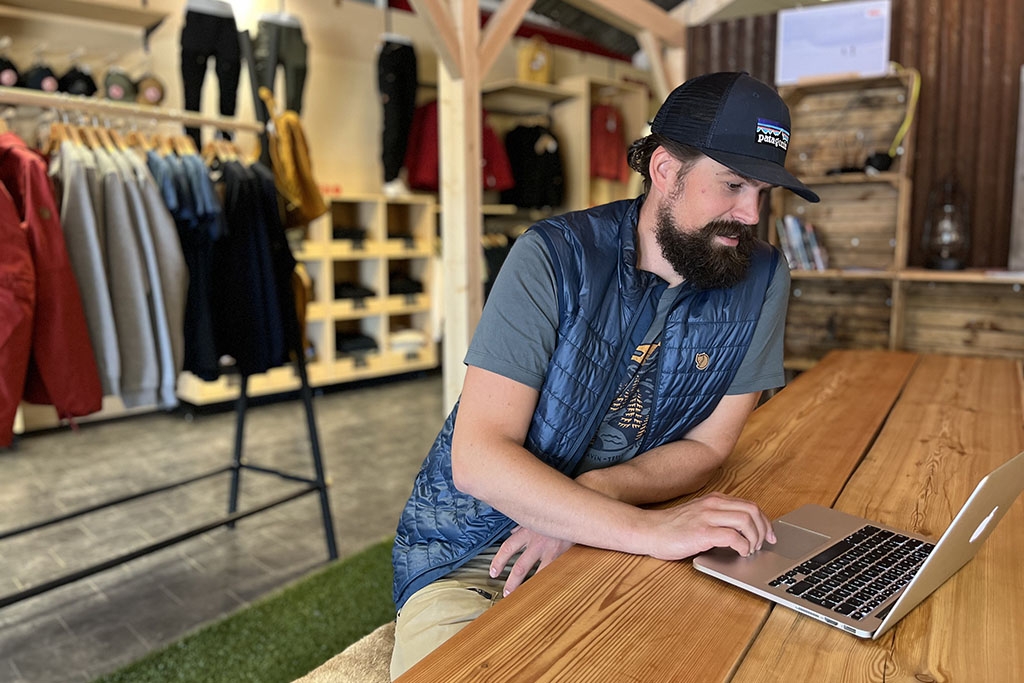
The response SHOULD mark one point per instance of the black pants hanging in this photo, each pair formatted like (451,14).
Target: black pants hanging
(396,72)
(205,36)
(279,45)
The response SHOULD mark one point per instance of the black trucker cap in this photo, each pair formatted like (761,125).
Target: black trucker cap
(736,120)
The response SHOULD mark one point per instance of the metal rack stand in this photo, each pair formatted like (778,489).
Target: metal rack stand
(317,483)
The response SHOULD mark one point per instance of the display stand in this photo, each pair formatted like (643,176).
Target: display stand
(317,483)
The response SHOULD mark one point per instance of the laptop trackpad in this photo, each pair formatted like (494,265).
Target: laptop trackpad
(794,542)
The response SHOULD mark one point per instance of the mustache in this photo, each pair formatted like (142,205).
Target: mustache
(726,228)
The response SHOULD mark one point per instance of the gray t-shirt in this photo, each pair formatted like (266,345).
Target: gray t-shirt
(518,331)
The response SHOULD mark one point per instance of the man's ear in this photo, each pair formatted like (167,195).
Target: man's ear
(664,170)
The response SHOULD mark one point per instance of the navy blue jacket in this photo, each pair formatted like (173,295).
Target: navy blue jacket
(605,307)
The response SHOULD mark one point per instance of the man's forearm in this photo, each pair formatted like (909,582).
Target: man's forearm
(680,467)
(658,475)
(540,498)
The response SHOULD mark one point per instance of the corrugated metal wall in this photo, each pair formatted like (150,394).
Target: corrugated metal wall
(969,53)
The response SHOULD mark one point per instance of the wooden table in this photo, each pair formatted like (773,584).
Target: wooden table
(894,436)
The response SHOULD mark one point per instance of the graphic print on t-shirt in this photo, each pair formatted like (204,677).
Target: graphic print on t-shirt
(628,408)
(625,424)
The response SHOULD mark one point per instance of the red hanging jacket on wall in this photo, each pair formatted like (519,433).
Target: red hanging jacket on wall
(17,304)
(608,144)
(422,156)
(54,363)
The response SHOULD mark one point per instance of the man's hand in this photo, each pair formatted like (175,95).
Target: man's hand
(536,548)
(711,521)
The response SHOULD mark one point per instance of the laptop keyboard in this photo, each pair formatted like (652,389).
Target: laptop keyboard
(859,573)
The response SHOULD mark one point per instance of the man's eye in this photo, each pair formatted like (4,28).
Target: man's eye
(735,187)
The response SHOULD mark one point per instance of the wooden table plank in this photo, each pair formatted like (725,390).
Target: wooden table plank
(602,616)
(958,419)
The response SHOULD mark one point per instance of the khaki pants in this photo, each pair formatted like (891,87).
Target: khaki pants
(441,609)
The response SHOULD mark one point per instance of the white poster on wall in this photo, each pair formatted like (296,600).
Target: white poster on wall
(840,39)
(1016,258)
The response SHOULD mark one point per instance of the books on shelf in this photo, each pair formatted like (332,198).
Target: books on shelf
(800,244)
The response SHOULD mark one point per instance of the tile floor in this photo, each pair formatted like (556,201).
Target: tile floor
(373,438)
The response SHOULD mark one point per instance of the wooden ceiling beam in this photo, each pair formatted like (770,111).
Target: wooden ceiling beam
(633,16)
(499,29)
(442,27)
(653,49)
(697,12)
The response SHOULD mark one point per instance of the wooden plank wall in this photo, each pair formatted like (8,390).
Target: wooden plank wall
(949,317)
(969,54)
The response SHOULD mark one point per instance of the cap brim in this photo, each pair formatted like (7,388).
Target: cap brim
(765,171)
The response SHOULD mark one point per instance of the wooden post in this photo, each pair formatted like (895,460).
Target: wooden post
(461,198)
(464,59)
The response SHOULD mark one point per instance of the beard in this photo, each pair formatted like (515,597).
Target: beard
(699,257)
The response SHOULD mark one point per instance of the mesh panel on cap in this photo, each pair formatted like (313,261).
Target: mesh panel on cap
(690,113)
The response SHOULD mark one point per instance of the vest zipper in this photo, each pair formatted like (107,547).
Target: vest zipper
(657,371)
(579,449)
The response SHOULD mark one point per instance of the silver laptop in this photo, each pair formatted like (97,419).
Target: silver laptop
(858,575)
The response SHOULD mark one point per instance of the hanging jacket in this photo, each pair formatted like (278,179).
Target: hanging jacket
(422,155)
(86,251)
(606,306)
(129,288)
(61,368)
(17,306)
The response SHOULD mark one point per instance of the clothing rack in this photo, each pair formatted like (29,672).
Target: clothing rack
(108,108)
(318,483)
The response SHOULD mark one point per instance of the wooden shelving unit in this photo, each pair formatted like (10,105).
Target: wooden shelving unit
(869,298)
(631,99)
(861,221)
(139,17)
(399,240)
(521,97)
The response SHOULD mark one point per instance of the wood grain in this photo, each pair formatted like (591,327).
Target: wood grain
(957,420)
(603,616)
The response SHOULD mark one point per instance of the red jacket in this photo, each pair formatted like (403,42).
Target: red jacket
(422,160)
(608,144)
(45,353)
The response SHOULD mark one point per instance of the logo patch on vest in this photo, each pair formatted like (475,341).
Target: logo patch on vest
(771,133)
(702,360)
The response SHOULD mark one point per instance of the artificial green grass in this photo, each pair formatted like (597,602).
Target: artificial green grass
(283,636)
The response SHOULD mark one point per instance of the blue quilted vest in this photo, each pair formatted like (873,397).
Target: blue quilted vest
(606,306)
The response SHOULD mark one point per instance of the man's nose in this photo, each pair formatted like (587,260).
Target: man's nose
(748,209)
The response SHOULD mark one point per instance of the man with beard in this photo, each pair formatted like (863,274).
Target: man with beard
(619,354)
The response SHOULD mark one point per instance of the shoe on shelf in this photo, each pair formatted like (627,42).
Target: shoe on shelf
(396,188)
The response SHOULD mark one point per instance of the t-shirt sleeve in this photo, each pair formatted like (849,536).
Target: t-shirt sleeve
(761,368)
(518,327)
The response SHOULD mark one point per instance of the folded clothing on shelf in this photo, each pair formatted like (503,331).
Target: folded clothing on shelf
(348,232)
(354,342)
(408,340)
(403,284)
(352,290)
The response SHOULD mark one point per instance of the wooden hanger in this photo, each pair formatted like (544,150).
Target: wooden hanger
(3,126)
(183,145)
(607,95)
(102,134)
(58,134)
(138,139)
(119,141)
(163,145)
(211,152)
(88,135)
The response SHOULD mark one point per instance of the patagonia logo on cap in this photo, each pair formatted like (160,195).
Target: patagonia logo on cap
(771,133)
